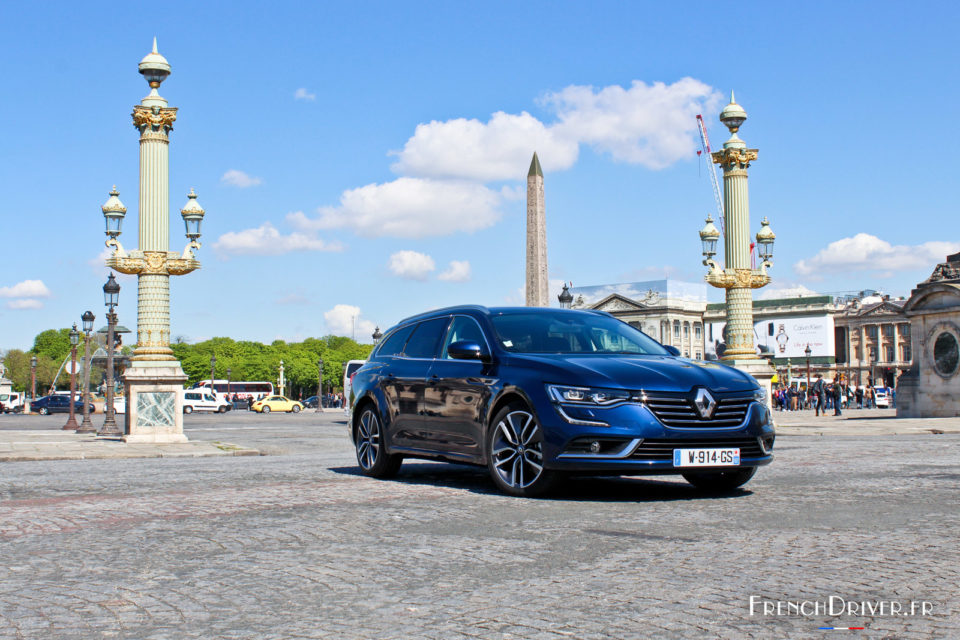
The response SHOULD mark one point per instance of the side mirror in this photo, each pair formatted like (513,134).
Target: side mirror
(672,349)
(467,350)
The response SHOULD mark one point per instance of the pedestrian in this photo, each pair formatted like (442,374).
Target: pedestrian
(837,395)
(820,395)
(868,396)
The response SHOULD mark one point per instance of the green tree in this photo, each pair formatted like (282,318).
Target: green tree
(52,343)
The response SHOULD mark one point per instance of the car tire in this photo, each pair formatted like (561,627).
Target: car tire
(44,411)
(515,453)
(188,409)
(222,410)
(296,408)
(265,409)
(372,455)
(720,481)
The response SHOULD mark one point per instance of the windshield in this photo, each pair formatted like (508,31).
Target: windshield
(568,332)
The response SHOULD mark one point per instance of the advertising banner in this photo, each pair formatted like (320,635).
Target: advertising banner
(784,337)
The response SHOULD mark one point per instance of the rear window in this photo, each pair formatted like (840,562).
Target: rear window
(393,345)
(352,368)
(425,341)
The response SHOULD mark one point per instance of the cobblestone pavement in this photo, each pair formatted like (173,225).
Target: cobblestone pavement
(297,545)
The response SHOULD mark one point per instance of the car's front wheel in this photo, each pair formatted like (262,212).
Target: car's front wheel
(188,409)
(44,411)
(371,453)
(515,453)
(719,481)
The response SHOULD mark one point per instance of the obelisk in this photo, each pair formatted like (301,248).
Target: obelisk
(537,289)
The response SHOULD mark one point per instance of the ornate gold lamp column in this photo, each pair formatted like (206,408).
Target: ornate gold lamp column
(154,379)
(738,278)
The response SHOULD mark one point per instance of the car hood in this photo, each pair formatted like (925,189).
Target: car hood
(650,373)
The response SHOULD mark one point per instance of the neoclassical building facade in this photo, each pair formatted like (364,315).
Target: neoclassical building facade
(670,311)
(873,340)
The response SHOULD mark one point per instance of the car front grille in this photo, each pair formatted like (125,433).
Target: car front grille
(678,410)
(662,450)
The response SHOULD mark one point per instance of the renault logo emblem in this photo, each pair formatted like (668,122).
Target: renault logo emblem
(704,403)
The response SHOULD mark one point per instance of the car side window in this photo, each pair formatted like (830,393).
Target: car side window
(425,340)
(393,345)
(463,328)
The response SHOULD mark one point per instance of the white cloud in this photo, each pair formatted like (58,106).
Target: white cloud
(865,252)
(652,125)
(408,208)
(411,265)
(303,94)
(265,240)
(237,178)
(26,289)
(786,290)
(499,149)
(25,304)
(343,319)
(458,271)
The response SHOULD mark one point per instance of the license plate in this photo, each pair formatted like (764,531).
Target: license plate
(706,457)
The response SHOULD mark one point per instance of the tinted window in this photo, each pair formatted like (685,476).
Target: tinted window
(393,344)
(571,333)
(352,368)
(463,328)
(425,341)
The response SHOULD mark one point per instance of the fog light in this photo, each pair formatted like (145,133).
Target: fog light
(594,447)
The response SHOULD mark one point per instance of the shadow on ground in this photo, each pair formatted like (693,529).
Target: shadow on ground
(571,488)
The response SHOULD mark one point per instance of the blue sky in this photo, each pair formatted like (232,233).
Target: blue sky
(369,159)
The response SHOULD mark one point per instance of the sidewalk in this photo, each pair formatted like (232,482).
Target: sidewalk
(859,422)
(18,446)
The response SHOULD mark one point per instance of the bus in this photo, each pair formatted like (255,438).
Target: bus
(239,388)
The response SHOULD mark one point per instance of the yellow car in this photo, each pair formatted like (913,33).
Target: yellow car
(277,403)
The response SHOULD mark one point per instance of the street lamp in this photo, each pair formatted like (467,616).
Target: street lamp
(737,276)
(565,297)
(281,381)
(320,382)
(111,297)
(213,365)
(71,424)
(376,336)
(87,425)
(807,352)
(33,378)
(229,376)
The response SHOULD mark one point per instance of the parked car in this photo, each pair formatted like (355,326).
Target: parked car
(535,393)
(54,404)
(311,402)
(277,403)
(195,400)
(11,402)
(881,396)
(350,368)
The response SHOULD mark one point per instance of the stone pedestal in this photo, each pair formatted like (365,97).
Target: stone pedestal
(758,368)
(154,391)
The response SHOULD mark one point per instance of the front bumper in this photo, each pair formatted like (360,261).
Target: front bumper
(635,441)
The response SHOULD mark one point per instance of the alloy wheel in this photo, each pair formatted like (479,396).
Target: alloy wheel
(516,451)
(368,440)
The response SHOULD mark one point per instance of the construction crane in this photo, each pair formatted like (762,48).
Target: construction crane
(705,143)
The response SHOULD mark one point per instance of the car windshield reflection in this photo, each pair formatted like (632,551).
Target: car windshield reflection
(577,334)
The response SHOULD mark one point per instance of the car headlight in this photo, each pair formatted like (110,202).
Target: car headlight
(760,395)
(589,396)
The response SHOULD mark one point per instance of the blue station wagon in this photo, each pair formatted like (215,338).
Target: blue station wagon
(534,393)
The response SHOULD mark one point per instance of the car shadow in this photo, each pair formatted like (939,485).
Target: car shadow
(574,488)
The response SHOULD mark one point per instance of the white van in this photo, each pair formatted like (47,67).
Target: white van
(199,400)
(12,402)
(349,368)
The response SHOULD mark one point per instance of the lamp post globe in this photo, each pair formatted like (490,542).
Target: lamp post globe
(565,298)
(111,298)
(86,426)
(376,336)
